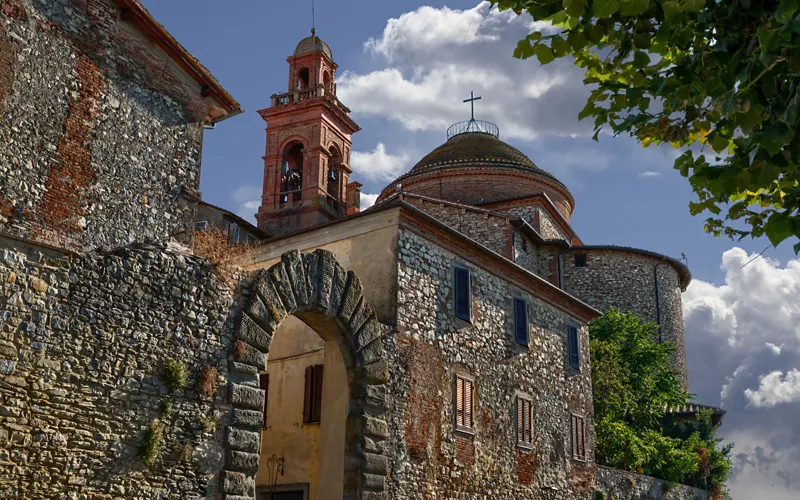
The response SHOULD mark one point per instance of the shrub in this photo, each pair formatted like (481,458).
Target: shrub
(152,443)
(176,375)
(207,381)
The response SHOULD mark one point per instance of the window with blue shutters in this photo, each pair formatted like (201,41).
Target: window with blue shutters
(463,294)
(573,341)
(521,321)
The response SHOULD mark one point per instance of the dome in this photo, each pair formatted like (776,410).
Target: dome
(477,168)
(312,44)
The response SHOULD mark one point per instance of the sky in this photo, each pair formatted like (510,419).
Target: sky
(404,69)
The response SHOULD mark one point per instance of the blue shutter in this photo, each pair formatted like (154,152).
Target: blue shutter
(462,294)
(521,321)
(574,348)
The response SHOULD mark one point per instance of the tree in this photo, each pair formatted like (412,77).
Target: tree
(718,74)
(633,384)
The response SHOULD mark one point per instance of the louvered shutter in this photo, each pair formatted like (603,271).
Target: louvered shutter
(520,420)
(581,440)
(308,401)
(468,389)
(574,348)
(462,294)
(264,383)
(574,436)
(528,414)
(521,321)
(459,401)
(316,415)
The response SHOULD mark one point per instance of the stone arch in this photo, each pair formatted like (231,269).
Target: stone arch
(315,288)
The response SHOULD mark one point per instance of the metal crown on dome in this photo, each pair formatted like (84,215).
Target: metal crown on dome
(473,125)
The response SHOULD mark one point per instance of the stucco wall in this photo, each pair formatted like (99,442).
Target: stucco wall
(429,459)
(621,485)
(625,280)
(100,131)
(83,343)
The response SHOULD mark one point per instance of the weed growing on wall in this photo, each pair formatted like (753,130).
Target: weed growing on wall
(176,375)
(152,444)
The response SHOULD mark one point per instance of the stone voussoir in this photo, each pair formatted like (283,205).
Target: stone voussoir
(243,440)
(245,396)
(293,262)
(237,483)
(250,332)
(350,299)
(280,281)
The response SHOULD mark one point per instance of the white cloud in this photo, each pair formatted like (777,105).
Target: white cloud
(650,175)
(775,388)
(378,165)
(246,200)
(367,200)
(743,352)
(429,60)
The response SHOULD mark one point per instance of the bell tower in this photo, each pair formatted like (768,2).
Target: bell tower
(307,157)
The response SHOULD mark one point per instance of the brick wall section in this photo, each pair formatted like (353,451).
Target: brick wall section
(427,331)
(122,135)
(619,484)
(539,219)
(83,341)
(491,231)
(625,280)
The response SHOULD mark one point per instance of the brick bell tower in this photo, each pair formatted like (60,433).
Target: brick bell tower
(306,164)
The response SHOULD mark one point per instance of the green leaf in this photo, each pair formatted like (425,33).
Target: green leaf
(774,138)
(791,112)
(796,249)
(633,7)
(778,228)
(543,53)
(524,49)
(693,5)
(789,7)
(767,39)
(605,8)
(575,8)
(719,143)
(641,59)
(672,11)
(560,46)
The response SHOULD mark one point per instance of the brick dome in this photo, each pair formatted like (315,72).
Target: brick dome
(312,44)
(476,168)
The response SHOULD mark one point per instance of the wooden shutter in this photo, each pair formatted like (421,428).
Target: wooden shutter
(578,438)
(574,348)
(462,294)
(521,321)
(520,420)
(459,401)
(264,383)
(308,401)
(468,390)
(528,414)
(574,426)
(316,414)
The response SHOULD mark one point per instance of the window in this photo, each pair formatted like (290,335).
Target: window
(573,341)
(521,322)
(201,225)
(463,295)
(580,260)
(524,421)
(264,384)
(578,438)
(283,492)
(312,402)
(465,390)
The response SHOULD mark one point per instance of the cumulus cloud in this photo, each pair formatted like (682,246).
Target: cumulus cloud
(428,61)
(743,351)
(775,388)
(650,175)
(246,200)
(378,165)
(367,200)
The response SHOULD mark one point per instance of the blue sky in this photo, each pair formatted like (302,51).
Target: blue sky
(405,67)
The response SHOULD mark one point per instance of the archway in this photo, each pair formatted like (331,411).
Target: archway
(303,79)
(316,289)
(334,163)
(291,172)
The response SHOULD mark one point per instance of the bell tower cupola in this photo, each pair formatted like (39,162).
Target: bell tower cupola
(307,157)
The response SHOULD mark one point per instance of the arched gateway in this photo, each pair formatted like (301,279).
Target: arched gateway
(317,290)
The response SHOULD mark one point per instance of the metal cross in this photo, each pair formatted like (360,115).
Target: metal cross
(471,102)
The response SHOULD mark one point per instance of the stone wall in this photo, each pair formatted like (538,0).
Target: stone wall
(491,231)
(100,130)
(429,459)
(621,485)
(625,280)
(83,346)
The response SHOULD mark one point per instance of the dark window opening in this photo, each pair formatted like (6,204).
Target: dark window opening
(463,296)
(312,401)
(521,322)
(264,384)
(302,79)
(580,260)
(573,340)
(292,173)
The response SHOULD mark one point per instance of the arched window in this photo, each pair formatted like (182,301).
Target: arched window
(291,173)
(326,81)
(334,163)
(302,79)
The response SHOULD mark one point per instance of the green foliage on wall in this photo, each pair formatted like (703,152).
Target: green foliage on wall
(176,375)
(720,75)
(152,444)
(633,385)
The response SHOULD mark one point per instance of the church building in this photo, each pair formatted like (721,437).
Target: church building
(481,292)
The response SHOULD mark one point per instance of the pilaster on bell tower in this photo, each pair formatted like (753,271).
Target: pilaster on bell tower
(307,158)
